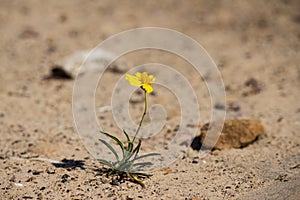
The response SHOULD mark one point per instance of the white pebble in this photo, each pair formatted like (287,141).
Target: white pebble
(104,109)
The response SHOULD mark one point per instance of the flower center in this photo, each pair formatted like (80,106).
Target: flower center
(145,79)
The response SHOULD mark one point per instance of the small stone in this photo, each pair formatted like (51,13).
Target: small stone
(115,182)
(50,172)
(215,152)
(233,106)
(43,188)
(104,109)
(13,178)
(28,33)
(227,186)
(236,133)
(30,179)
(35,172)
(19,184)
(110,195)
(104,180)
(95,60)
(194,161)
(58,72)
(219,106)
(64,178)
(280,118)
(98,183)
(253,87)
(39,196)
(27,197)
(282,178)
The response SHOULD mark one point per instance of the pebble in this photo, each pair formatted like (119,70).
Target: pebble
(110,195)
(94,61)
(19,184)
(104,109)
(43,188)
(27,197)
(194,161)
(64,178)
(216,152)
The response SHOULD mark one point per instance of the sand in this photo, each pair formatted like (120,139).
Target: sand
(41,153)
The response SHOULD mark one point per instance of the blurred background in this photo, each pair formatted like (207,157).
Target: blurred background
(255,45)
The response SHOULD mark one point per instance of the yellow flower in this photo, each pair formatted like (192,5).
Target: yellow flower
(142,80)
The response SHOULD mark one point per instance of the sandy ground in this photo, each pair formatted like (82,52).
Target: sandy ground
(41,155)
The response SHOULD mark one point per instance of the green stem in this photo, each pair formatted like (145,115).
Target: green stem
(144,114)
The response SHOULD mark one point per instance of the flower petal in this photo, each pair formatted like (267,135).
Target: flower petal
(147,87)
(152,79)
(133,80)
(138,74)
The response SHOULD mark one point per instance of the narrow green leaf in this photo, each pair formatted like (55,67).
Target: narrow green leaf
(129,142)
(130,147)
(105,162)
(127,136)
(125,166)
(115,139)
(143,174)
(145,155)
(111,148)
(142,164)
(136,149)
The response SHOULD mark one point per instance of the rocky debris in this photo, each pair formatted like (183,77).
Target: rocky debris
(28,33)
(57,72)
(253,87)
(236,133)
(87,61)
(93,61)
(233,106)
(64,178)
